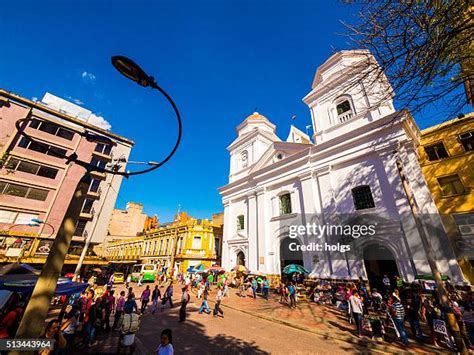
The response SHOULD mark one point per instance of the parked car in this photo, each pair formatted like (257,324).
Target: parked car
(119,278)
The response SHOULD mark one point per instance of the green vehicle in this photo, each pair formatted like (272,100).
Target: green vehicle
(148,271)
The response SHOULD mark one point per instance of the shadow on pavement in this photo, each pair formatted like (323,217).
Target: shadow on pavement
(189,337)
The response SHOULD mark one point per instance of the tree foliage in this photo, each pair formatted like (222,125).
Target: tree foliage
(424,47)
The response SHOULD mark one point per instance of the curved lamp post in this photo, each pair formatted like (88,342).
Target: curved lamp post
(38,306)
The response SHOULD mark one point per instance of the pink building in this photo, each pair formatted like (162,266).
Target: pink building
(34,183)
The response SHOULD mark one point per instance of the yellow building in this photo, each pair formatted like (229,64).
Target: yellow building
(188,241)
(447,159)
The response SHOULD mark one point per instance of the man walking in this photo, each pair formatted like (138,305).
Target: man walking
(204,306)
(265,288)
(398,314)
(184,302)
(254,287)
(217,307)
(357,311)
(292,294)
(155,296)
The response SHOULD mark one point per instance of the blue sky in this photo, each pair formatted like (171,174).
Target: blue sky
(219,60)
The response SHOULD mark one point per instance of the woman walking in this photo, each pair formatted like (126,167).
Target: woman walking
(145,297)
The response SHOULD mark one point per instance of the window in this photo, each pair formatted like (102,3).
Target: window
(451,185)
(362,196)
(94,185)
(436,151)
(344,111)
(16,217)
(465,223)
(285,204)
(99,163)
(197,242)
(7,216)
(47,172)
(240,222)
(25,218)
(32,168)
(87,207)
(37,194)
(41,147)
(467,141)
(23,191)
(103,148)
(80,228)
(52,128)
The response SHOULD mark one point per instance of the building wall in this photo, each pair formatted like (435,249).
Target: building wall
(60,188)
(128,222)
(157,246)
(367,149)
(460,162)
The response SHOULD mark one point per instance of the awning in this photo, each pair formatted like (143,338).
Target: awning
(64,286)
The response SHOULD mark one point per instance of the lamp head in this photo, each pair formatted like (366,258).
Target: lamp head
(131,70)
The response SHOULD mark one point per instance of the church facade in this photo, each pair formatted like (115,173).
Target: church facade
(284,199)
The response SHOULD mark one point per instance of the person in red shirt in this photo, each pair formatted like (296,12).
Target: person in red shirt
(109,309)
(10,322)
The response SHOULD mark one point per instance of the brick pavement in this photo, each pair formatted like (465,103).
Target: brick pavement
(247,329)
(319,319)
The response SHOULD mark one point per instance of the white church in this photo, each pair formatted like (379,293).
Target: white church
(360,165)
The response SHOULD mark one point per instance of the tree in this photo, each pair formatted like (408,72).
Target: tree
(424,47)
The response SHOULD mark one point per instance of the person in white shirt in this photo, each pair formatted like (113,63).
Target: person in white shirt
(357,311)
(217,306)
(166,344)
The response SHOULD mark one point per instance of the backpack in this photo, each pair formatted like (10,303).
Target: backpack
(130,324)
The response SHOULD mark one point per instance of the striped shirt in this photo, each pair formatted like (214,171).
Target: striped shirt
(398,310)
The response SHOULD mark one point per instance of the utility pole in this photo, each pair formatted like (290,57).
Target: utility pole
(175,243)
(37,308)
(442,293)
(89,238)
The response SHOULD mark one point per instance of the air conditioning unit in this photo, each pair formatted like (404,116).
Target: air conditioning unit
(466,229)
(466,135)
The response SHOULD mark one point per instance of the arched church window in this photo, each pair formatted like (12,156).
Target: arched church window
(344,109)
(285,204)
(362,196)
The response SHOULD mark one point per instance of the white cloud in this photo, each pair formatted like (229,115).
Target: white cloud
(99,121)
(88,77)
(34,98)
(76,101)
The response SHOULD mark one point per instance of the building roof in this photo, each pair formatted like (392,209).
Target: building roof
(448,124)
(42,107)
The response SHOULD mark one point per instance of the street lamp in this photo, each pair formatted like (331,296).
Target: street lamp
(38,306)
(134,72)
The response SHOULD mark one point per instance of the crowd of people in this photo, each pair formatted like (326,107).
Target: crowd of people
(100,311)
(397,305)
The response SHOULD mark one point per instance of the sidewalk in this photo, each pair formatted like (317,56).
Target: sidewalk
(319,319)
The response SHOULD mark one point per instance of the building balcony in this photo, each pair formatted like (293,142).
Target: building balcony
(346,116)
(196,254)
(94,194)
(98,175)
(87,214)
(103,156)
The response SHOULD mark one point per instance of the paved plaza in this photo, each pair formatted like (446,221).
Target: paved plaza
(252,326)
